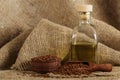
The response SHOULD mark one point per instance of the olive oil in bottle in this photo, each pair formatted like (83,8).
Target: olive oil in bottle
(83,51)
(84,38)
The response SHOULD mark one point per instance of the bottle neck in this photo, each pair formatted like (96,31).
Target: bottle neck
(84,17)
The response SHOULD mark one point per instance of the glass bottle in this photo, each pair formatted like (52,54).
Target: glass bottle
(84,38)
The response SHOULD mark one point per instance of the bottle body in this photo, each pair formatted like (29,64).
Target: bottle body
(84,51)
(84,41)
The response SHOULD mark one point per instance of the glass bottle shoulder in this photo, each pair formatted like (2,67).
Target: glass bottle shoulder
(86,29)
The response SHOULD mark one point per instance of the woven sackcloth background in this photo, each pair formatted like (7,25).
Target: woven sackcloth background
(25,75)
(30,28)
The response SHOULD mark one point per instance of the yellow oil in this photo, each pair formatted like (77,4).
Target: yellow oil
(84,51)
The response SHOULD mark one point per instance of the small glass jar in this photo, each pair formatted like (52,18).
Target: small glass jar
(84,38)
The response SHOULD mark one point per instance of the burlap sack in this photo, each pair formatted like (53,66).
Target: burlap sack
(54,39)
(107,34)
(7,34)
(105,10)
(46,38)
(29,12)
(9,52)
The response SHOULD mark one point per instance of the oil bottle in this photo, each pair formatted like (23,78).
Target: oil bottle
(84,49)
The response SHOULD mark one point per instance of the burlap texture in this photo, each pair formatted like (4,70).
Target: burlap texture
(108,55)
(107,34)
(25,13)
(28,75)
(54,39)
(105,10)
(29,12)
(7,34)
(46,38)
(9,52)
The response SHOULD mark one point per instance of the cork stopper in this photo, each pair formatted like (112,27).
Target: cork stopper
(84,8)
